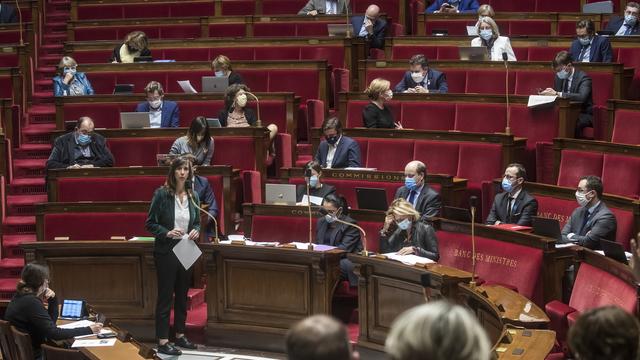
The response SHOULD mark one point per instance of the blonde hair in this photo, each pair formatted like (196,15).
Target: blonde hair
(66,61)
(221,61)
(401,207)
(152,87)
(137,40)
(377,87)
(486,10)
(491,22)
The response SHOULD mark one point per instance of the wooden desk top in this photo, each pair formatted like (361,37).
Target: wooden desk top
(120,350)
(517,308)
(530,344)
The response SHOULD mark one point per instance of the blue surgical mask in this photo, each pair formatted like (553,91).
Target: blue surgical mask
(219,73)
(71,71)
(313,181)
(84,139)
(506,185)
(630,20)
(404,224)
(410,183)
(562,74)
(486,34)
(585,41)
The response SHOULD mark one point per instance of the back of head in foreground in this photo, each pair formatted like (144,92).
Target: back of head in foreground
(319,337)
(437,331)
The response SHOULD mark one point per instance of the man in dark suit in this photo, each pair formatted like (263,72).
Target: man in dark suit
(421,78)
(337,151)
(453,7)
(627,25)
(592,221)
(81,148)
(514,205)
(575,85)
(8,14)
(370,27)
(589,47)
(417,192)
(162,114)
(324,7)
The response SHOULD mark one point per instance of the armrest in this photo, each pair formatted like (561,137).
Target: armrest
(558,312)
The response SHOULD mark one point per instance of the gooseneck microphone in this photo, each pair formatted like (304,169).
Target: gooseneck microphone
(473,203)
(20,22)
(307,175)
(505,58)
(188,186)
(258,121)
(364,252)
(348,33)
(425,280)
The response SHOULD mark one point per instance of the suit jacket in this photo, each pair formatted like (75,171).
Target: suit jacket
(580,91)
(428,204)
(347,154)
(161,219)
(600,50)
(376,38)
(205,194)
(500,44)
(62,154)
(435,81)
(345,237)
(321,7)
(326,189)
(616,22)
(59,87)
(601,225)
(464,6)
(170,113)
(423,238)
(525,208)
(8,14)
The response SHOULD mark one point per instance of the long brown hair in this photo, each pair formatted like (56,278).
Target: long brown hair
(31,279)
(170,183)
(198,125)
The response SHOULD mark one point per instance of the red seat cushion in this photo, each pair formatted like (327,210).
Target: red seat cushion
(479,162)
(594,287)
(389,155)
(576,164)
(529,27)
(621,175)
(528,82)
(94,225)
(488,82)
(626,128)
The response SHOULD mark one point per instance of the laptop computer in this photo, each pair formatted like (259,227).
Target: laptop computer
(142,59)
(214,122)
(73,310)
(134,120)
(614,250)
(280,194)
(215,84)
(120,89)
(339,30)
(456,213)
(372,199)
(473,53)
(547,227)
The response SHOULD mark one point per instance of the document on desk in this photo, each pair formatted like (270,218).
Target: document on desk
(316,247)
(315,200)
(187,252)
(77,324)
(540,100)
(94,343)
(187,87)
(409,259)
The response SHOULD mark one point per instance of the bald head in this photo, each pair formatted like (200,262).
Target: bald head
(85,123)
(416,169)
(318,337)
(372,11)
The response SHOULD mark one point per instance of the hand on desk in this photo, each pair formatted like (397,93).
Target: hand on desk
(74,166)
(194,234)
(96,327)
(421,90)
(312,13)
(548,92)
(406,251)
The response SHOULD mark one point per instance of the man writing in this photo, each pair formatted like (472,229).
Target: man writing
(81,148)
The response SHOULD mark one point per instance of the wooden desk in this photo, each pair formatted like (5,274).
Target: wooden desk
(387,288)
(257,293)
(535,344)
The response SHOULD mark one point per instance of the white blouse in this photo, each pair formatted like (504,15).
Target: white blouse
(181,214)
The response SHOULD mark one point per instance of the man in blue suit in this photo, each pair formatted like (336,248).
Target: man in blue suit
(627,25)
(8,14)
(162,114)
(337,151)
(422,79)
(370,27)
(453,7)
(589,47)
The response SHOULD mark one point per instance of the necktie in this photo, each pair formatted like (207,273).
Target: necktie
(585,220)
(582,53)
(628,31)
(565,86)
(509,208)
(412,196)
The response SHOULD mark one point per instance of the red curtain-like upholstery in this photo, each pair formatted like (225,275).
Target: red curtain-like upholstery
(621,175)
(428,116)
(389,154)
(94,225)
(441,157)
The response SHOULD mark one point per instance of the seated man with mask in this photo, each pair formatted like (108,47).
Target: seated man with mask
(453,7)
(421,78)
(81,148)
(417,192)
(589,47)
(627,25)
(514,205)
(162,114)
(370,27)
(324,7)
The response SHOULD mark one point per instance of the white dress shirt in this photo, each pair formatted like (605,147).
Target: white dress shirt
(331,7)
(332,152)
(181,214)
(155,117)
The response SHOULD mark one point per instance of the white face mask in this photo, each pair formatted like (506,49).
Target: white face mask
(417,77)
(241,100)
(155,104)
(582,199)
(388,95)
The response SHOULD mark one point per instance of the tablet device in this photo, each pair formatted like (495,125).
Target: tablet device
(73,309)
(280,194)
(614,250)
(547,227)
(473,53)
(372,199)
(120,89)
(134,120)
(215,84)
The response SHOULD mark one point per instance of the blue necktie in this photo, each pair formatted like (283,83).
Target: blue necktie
(628,31)
(412,196)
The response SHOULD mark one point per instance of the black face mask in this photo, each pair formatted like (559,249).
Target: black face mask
(332,140)
(131,49)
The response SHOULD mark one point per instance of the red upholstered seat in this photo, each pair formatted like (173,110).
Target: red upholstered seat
(354,113)
(135,152)
(269,228)
(539,53)
(393,75)
(456,80)
(626,128)
(236,53)
(279,7)
(558,312)
(364,148)
(103,115)
(238,152)
(488,82)
(372,229)
(5,87)
(621,175)
(441,157)
(407,51)
(257,81)
(333,54)
(558,6)
(180,32)
(228,30)
(479,162)
(511,6)
(529,27)
(528,82)
(448,53)
(193,54)
(94,225)
(603,81)
(277,53)
(538,125)
(100,12)
(313,28)
(454,27)
(98,33)
(139,188)
(428,116)
(630,57)
(8,60)
(575,164)
(555,208)
(133,11)
(389,154)
(303,82)
(238,7)
(625,226)
(471,117)
(269,29)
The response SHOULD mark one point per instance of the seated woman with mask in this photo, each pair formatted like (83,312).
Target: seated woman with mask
(491,39)
(69,82)
(316,187)
(222,67)
(135,45)
(404,233)
(197,142)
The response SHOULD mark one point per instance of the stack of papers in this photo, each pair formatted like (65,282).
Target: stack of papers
(77,324)
(409,259)
(539,100)
(316,247)
(94,343)
(315,200)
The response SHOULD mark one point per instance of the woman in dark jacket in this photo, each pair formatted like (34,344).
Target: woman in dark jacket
(376,114)
(27,313)
(411,236)
(173,215)
(313,175)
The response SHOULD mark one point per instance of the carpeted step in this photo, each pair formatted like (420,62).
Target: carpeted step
(44,86)
(11,244)
(29,167)
(8,288)
(54,39)
(196,323)
(14,225)
(27,186)
(32,151)
(195,297)
(304,149)
(38,133)
(43,98)
(55,26)
(24,204)
(11,267)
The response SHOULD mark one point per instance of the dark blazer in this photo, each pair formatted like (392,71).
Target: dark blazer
(347,154)
(428,204)
(435,81)
(321,7)
(464,6)
(170,113)
(62,154)
(580,91)
(59,87)
(8,14)
(203,189)
(326,189)
(249,114)
(161,219)
(616,22)
(235,78)
(423,238)
(600,50)
(376,39)
(374,117)
(601,225)
(115,54)
(525,208)
(346,237)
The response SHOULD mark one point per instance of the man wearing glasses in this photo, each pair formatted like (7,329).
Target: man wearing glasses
(514,205)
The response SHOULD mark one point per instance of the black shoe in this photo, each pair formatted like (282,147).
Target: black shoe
(169,349)
(183,342)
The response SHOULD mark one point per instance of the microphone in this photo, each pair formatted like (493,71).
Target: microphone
(505,58)
(307,174)
(473,203)
(364,252)
(188,185)
(348,33)
(20,22)
(258,121)
(425,280)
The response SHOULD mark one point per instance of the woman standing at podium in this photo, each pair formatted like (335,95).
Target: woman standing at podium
(173,215)
(405,234)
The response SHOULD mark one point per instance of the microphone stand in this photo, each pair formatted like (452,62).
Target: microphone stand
(20,22)
(310,246)
(505,58)
(258,121)
(347,35)
(364,235)
(216,240)
(425,280)
(472,283)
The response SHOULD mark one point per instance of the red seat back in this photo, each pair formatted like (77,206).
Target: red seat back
(94,225)
(488,82)
(529,28)
(575,164)
(441,157)
(472,117)
(594,287)
(389,154)
(479,162)
(269,228)
(529,82)
(428,116)
(626,128)
(621,175)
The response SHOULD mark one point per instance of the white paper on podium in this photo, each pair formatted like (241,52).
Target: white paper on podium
(537,100)
(472,31)
(94,343)
(186,87)
(315,200)
(77,324)
(409,259)
(187,252)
